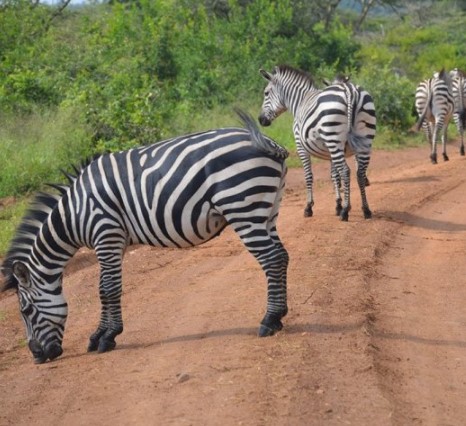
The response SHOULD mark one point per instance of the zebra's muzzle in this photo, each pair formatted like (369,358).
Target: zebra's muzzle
(264,121)
(53,350)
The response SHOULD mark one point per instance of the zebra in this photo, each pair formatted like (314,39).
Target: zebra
(458,91)
(434,105)
(177,193)
(330,124)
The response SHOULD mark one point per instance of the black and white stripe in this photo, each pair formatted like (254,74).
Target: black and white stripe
(434,105)
(330,124)
(458,91)
(177,193)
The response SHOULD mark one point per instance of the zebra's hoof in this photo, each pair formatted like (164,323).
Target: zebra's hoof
(367,214)
(367,182)
(462,151)
(308,212)
(265,331)
(106,345)
(271,323)
(344,215)
(93,345)
(445,157)
(338,210)
(433,158)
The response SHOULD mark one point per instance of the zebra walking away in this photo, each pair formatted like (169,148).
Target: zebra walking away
(330,124)
(458,91)
(434,105)
(180,192)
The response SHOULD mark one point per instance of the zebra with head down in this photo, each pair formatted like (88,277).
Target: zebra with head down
(332,124)
(180,192)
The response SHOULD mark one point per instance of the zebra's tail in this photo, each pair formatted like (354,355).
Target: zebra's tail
(422,117)
(359,144)
(462,117)
(259,140)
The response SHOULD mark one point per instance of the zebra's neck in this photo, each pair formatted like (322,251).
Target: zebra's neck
(295,94)
(52,247)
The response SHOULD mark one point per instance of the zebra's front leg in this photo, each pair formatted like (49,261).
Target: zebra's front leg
(111,323)
(306,161)
(337,186)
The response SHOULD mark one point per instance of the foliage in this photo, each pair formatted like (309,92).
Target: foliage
(115,74)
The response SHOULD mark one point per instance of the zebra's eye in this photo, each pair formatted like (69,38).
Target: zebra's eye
(266,93)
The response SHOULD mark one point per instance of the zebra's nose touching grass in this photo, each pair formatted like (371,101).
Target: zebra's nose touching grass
(264,121)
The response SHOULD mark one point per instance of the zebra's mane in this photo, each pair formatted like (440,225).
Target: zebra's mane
(303,75)
(38,212)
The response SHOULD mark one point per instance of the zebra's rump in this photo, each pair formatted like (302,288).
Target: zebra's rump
(342,118)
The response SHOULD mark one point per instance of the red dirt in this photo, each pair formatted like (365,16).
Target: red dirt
(376,333)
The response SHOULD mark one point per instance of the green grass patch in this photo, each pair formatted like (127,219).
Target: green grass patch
(36,146)
(10,217)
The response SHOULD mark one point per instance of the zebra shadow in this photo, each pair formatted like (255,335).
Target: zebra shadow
(413,220)
(413,179)
(249,331)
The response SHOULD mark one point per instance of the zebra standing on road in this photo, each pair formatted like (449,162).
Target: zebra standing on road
(180,192)
(331,124)
(458,91)
(434,105)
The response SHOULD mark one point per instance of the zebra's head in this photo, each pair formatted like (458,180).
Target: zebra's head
(274,103)
(43,309)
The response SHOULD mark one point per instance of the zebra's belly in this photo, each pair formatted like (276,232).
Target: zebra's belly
(320,150)
(180,229)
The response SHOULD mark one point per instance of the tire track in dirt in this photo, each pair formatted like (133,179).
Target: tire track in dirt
(193,314)
(419,330)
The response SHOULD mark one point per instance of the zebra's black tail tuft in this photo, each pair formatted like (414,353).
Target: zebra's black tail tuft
(259,140)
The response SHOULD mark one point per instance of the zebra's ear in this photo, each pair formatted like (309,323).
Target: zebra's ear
(21,272)
(265,74)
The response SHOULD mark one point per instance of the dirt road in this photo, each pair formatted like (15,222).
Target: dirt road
(376,333)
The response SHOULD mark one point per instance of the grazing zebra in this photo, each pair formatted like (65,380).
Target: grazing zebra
(177,193)
(331,124)
(458,90)
(434,105)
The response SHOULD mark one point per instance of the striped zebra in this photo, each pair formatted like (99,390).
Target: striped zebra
(434,105)
(458,91)
(330,124)
(180,192)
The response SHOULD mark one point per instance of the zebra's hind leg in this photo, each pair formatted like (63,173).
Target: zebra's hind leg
(444,142)
(308,176)
(111,323)
(275,264)
(265,246)
(337,186)
(362,162)
(344,172)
